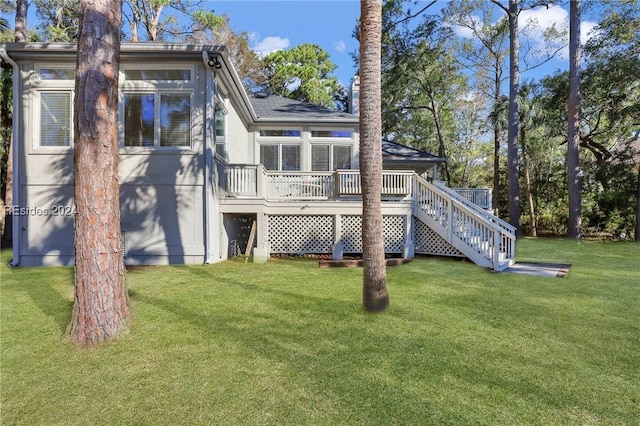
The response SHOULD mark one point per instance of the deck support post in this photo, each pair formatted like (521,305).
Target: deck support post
(408,251)
(262,251)
(338,248)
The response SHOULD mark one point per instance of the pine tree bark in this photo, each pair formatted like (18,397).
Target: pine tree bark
(573,159)
(533,226)
(101,305)
(20,28)
(375,296)
(514,111)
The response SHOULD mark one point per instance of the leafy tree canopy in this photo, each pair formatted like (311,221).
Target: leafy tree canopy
(303,73)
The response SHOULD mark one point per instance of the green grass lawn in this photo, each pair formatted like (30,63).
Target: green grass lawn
(288,343)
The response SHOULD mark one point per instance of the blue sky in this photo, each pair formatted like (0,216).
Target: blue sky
(283,24)
(274,25)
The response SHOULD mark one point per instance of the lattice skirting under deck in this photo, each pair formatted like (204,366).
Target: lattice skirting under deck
(305,234)
(428,242)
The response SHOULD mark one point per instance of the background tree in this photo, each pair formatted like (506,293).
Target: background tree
(165,20)
(215,30)
(375,296)
(101,303)
(513,175)
(483,54)
(20,35)
(6,96)
(302,73)
(58,20)
(420,83)
(21,20)
(573,142)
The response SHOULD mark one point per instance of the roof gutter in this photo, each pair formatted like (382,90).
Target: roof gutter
(15,141)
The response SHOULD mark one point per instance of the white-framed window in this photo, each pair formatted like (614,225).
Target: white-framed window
(55,116)
(221,133)
(54,92)
(157,119)
(157,107)
(281,148)
(331,134)
(331,149)
(281,157)
(280,133)
(330,157)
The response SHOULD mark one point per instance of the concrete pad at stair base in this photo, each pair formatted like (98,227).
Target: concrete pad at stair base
(558,270)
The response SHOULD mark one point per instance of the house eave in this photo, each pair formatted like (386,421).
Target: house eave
(301,121)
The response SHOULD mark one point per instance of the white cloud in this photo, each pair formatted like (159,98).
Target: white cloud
(269,44)
(340,46)
(585,30)
(544,18)
(536,22)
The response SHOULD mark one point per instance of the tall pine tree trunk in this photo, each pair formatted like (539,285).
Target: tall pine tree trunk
(374,294)
(101,305)
(533,226)
(573,158)
(514,110)
(495,201)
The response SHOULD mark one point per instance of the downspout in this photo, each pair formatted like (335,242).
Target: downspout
(15,141)
(209,132)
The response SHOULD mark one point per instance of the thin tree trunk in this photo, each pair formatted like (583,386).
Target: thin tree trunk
(375,296)
(573,158)
(514,106)
(637,233)
(495,201)
(442,151)
(533,227)
(101,305)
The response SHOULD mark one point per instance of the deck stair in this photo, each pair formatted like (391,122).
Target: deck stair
(482,237)
(465,227)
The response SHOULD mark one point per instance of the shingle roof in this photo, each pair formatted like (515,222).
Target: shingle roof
(275,106)
(393,151)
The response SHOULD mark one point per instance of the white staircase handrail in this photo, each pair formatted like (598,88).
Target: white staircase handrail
(479,235)
(507,227)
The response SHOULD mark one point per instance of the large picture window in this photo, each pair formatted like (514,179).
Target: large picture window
(157,119)
(157,107)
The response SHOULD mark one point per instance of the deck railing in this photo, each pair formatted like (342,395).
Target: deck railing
(298,186)
(250,180)
(484,238)
(478,196)
(241,180)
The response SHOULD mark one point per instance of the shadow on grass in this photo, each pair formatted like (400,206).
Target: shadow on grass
(342,351)
(46,297)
